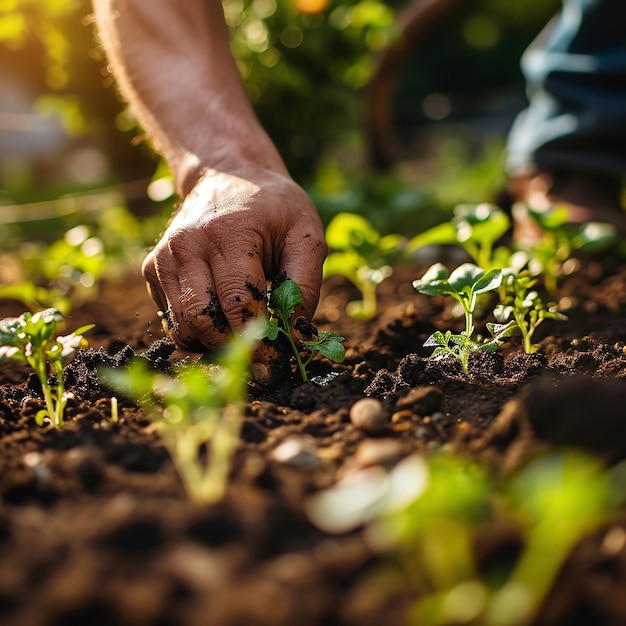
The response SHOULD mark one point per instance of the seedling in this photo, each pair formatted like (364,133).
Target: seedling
(198,412)
(464,284)
(32,338)
(61,275)
(282,305)
(476,228)
(559,240)
(428,515)
(363,256)
(35,297)
(521,310)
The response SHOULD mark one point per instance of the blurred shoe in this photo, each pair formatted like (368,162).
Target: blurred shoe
(586,199)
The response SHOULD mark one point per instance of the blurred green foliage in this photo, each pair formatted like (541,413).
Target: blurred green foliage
(304,63)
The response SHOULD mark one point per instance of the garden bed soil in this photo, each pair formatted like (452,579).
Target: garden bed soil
(95,528)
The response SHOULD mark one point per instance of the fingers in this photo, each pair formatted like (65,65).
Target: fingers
(209,270)
(207,291)
(302,259)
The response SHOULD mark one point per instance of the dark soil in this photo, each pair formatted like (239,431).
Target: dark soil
(95,528)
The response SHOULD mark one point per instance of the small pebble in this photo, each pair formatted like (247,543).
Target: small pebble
(334,452)
(377,452)
(401,416)
(369,415)
(295,451)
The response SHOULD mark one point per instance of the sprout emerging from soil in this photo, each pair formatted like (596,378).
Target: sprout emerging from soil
(464,284)
(476,228)
(301,334)
(363,256)
(32,338)
(198,411)
(521,309)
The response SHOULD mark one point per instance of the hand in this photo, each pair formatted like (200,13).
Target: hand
(232,233)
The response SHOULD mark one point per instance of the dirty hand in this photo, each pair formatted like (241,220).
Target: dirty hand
(232,233)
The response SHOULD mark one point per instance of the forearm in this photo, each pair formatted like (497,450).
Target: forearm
(172,63)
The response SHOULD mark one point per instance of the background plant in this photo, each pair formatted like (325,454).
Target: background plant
(358,252)
(476,229)
(521,309)
(32,338)
(197,410)
(433,511)
(559,240)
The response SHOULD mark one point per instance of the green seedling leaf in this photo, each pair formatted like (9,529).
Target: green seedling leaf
(470,277)
(328,345)
(282,305)
(475,228)
(32,338)
(488,281)
(594,237)
(464,284)
(358,252)
(442,234)
(554,218)
(284,299)
(523,309)
(434,282)
(502,331)
(351,231)
(198,411)
(438,339)
(480,222)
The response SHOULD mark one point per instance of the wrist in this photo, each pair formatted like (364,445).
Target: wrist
(189,167)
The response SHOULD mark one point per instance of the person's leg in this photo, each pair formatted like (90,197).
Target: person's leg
(574,129)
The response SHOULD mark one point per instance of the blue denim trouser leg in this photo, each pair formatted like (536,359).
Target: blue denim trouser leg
(576,82)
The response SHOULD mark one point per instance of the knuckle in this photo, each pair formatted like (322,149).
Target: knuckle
(234,299)
(178,244)
(148,269)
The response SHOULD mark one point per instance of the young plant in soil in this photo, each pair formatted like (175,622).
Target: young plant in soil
(363,256)
(432,513)
(476,228)
(521,310)
(559,240)
(32,338)
(198,412)
(62,275)
(304,339)
(464,284)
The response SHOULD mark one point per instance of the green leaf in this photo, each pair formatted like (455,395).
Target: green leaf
(595,237)
(465,277)
(284,300)
(348,231)
(437,235)
(268,328)
(490,346)
(83,329)
(345,264)
(437,339)
(333,351)
(434,282)
(501,331)
(483,222)
(488,281)
(328,345)
(40,417)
